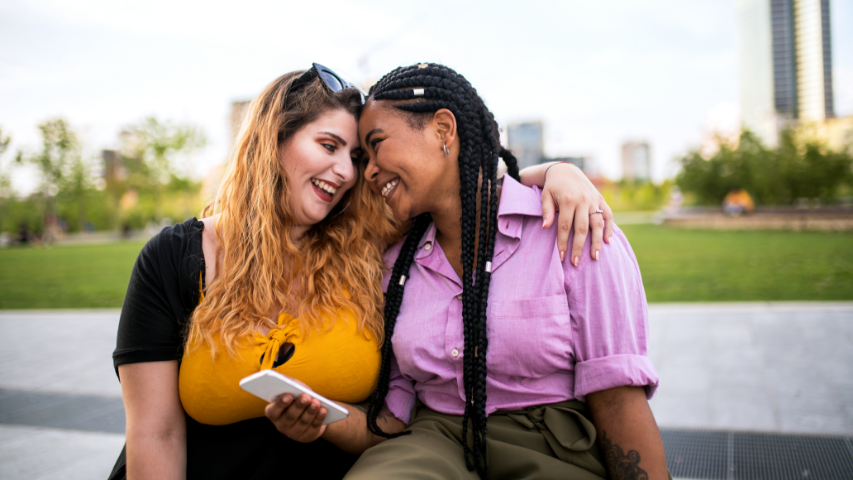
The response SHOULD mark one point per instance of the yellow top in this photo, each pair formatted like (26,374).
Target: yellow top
(339,363)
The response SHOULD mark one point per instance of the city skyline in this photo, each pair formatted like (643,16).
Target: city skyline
(595,75)
(636,161)
(526,140)
(785,64)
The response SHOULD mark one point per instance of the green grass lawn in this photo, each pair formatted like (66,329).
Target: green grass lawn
(677,266)
(707,265)
(79,276)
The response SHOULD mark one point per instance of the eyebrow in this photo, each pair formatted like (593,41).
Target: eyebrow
(370,134)
(336,137)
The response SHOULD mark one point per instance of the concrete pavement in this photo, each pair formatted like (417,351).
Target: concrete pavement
(66,353)
(784,367)
(762,367)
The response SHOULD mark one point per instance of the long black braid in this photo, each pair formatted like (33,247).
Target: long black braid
(479,150)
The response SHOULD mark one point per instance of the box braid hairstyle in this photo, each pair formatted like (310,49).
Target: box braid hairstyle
(480,148)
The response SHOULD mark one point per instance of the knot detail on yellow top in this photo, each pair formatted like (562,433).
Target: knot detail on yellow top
(336,361)
(275,339)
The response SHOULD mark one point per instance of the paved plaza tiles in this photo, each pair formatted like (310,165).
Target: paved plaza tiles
(760,367)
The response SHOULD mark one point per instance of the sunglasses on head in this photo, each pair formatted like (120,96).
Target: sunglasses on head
(330,79)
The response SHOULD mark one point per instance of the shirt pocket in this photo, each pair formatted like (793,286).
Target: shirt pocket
(530,337)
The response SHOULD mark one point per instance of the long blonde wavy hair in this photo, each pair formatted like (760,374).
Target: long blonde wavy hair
(259,269)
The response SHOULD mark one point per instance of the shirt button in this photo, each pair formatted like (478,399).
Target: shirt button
(455,353)
(428,246)
(459,297)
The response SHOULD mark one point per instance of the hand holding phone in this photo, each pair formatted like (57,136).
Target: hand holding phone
(269,385)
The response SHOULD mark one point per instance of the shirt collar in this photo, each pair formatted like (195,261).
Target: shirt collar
(517,202)
(428,238)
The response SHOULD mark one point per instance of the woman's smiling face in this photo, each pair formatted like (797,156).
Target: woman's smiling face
(319,163)
(406,164)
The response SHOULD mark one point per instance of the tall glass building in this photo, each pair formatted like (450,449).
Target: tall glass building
(785,63)
(526,143)
(814,59)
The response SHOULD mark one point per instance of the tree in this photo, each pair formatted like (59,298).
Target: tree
(4,142)
(6,191)
(65,172)
(150,152)
(798,168)
(5,177)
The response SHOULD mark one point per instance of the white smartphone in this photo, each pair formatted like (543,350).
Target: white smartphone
(269,385)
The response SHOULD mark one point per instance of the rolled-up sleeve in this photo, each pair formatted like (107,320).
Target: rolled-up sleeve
(610,321)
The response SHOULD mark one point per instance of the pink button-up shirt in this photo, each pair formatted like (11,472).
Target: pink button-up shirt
(556,332)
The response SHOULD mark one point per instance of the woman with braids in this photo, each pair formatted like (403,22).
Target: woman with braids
(504,360)
(283,272)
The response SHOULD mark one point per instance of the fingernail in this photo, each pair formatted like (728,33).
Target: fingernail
(543,223)
(576,260)
(562,255)
(596,254)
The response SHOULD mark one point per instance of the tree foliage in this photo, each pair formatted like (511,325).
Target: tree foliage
(4,142)
(6,191)
(157,145)
(154,160)
(60,150)
(797,168)
(5,176)
(63,169)
(83,190)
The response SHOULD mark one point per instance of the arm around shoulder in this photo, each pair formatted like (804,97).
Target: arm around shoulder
(565,188)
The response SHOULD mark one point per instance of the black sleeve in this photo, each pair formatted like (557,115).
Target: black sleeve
(162,294)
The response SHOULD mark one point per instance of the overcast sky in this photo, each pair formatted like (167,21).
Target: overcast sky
(596,73)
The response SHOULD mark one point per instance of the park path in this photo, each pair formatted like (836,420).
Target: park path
(769,367)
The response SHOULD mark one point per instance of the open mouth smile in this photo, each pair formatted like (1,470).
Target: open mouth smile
(324,189)
(389,187)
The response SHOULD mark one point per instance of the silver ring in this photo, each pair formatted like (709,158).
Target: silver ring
(597,211)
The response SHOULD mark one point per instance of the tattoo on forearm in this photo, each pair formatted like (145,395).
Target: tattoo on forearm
(383,415)
(622,466)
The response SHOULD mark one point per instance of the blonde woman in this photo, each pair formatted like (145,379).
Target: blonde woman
(283,272)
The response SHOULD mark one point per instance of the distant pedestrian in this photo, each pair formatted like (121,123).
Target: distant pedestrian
(737,202)
(24,235)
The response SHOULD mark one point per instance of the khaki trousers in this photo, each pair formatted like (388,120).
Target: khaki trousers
(553,441)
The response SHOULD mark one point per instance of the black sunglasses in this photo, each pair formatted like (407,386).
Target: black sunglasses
(332,80)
